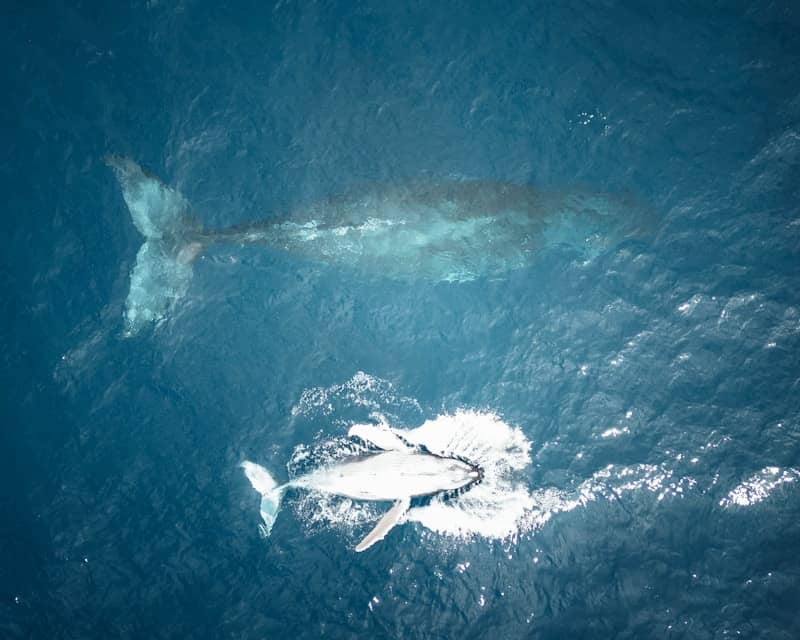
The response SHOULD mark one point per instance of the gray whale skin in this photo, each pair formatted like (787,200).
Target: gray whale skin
(452,231)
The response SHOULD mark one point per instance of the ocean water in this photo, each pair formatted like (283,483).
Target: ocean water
(637,411)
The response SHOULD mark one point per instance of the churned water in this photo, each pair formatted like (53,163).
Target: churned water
(635,408)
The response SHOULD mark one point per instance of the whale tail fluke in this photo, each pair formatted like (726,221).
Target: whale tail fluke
(270,491)
(163,268)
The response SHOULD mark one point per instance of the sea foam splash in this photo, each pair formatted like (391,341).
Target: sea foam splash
(500,507)
(496,508)
(504,506)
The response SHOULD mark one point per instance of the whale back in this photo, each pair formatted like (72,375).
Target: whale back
(453,231)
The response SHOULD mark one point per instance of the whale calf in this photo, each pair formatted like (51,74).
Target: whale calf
(394,471)
(451,231)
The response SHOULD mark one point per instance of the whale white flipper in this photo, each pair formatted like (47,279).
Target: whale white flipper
(385,524)
(379,435)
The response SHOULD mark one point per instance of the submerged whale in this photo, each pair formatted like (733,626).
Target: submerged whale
(452,231)
(397,472)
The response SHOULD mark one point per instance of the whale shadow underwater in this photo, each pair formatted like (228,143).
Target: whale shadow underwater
(450,231)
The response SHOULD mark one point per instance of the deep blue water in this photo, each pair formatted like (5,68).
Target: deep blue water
(657,382)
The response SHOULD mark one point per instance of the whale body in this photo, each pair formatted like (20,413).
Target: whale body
(397,472)
(452,231)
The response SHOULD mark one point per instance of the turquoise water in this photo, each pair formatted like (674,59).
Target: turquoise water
(638,406)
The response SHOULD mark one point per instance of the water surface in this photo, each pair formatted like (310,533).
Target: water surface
(657,382)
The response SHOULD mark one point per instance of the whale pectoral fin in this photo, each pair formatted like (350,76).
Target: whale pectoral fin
(385,524)
(382,437)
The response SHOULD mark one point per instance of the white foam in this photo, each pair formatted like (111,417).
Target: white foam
(495,507)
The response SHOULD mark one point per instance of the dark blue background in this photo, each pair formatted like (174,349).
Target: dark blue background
(123,511)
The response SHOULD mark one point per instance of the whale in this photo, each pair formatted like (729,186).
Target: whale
(451,231)
(389,470)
